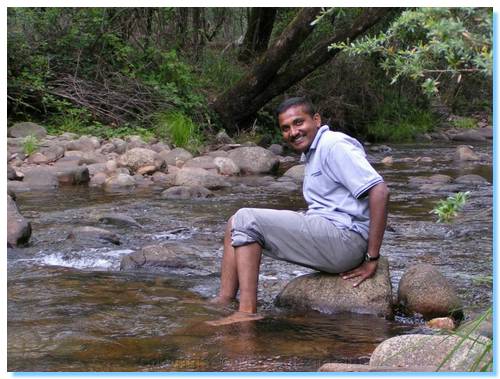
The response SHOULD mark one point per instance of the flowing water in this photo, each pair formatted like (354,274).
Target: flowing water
(70,308)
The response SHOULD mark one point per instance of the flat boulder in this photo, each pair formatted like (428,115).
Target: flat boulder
(205,161)
(84,143)
(119,219)
(176,155)
(254,160)
(472,179)
(473,135)
(424,290)
(443,352)
(185,193)
(329,293)
(41,178)
(296,173)
(90,233)
(159,257)
(72,174)
(465,153)
(119,182)
(25,129)
(18,229)
(192,176)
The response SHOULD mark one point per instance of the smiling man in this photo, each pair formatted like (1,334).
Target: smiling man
(342,230)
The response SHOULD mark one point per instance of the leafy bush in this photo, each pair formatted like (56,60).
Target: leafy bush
(465,123)
(447,209)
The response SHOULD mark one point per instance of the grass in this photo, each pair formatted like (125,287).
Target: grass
(465,123)
(30,144)
(447,209)
(179,129)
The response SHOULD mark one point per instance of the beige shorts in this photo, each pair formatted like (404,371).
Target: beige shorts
(310,241)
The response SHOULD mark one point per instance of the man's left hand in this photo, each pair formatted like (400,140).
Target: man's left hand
(364,271)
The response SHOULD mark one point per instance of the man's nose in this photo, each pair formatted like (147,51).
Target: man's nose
(294,130)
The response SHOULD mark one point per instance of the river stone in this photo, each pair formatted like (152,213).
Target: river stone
(41,178)
(206,162)
(160,146)
(486,132)
(163,180)
(329,293)
(185,193)
(119,219)
(191,176)
(98,179)
(25,129)
(471,179)
(222,138)
(431,350)
(254,160)
(94,168)
(465,153)
(296,173)
(53,152)
(18,229)
(468,136)
(136,141)
(138,157)
(387,160)
(424,290)
(12,174)
(284,186)
(119,182)
(107,148)
(226,166)
(72,174)
(176,155)
(158,257)
(38,158)
(84,143)
(93,234)
(276,149)
(120,145)
(217,153)
(353,367)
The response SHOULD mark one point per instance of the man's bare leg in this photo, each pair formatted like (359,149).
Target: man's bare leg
(229,274)
(247,266)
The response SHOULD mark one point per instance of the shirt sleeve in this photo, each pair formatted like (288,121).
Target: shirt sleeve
(346,163)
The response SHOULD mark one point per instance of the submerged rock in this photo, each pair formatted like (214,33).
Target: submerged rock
(424,290)
(444,353)
(465,153)
(94,234)
(18,229)
(329,293)
(159,256)
(186,193)
(119,219)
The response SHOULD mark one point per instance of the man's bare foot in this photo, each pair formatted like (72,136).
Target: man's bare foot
(235,317)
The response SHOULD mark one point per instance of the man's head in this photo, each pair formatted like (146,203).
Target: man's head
(298,122)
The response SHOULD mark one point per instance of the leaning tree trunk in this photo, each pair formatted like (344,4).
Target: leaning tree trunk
(238,106)
(260,27)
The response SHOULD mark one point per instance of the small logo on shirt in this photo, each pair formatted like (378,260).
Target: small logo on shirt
(317,173)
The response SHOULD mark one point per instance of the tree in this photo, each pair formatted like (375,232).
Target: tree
(276,70)
(260,27)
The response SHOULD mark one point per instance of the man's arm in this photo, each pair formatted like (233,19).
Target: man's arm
(378,198)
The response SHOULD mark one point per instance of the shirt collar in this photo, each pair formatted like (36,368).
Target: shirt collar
(314,143)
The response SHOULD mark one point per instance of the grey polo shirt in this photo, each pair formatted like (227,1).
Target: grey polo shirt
(336,176)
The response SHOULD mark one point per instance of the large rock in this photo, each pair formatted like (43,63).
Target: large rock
(53,152)
(84,143)
(120,145)
(473,135)
(90,233)
(41,178)
(206,162)
(119,182)
(177,155)
(70,174)
(222,138)
(226,166)
(191,176)
(163,180)
(254,160)
(443,352)
(424,290)
(138,157)
(185,193)
(465,153)
(329,293)
(159,257)
(472,179)
(18,229)
(296,173)
(25,129)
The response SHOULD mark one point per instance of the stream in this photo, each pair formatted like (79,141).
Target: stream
(70,308)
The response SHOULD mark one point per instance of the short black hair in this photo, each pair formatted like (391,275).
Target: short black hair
(305,102)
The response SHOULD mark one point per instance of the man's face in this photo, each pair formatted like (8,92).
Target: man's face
(298,127)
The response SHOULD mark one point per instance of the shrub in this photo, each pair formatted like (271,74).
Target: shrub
(30,144)
(179,129)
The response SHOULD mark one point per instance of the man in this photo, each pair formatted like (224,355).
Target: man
(342,230)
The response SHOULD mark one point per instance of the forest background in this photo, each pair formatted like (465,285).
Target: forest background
(183,74)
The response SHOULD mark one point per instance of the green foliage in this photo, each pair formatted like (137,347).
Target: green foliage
(30,144)
(447,209)
(179,129)
(399,120)
(220,71)
(465,123)
(426,44)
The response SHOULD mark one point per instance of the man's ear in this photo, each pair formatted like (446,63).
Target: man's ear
(317,119)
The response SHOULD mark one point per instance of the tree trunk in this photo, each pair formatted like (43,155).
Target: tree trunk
(260,27)
(239,104)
